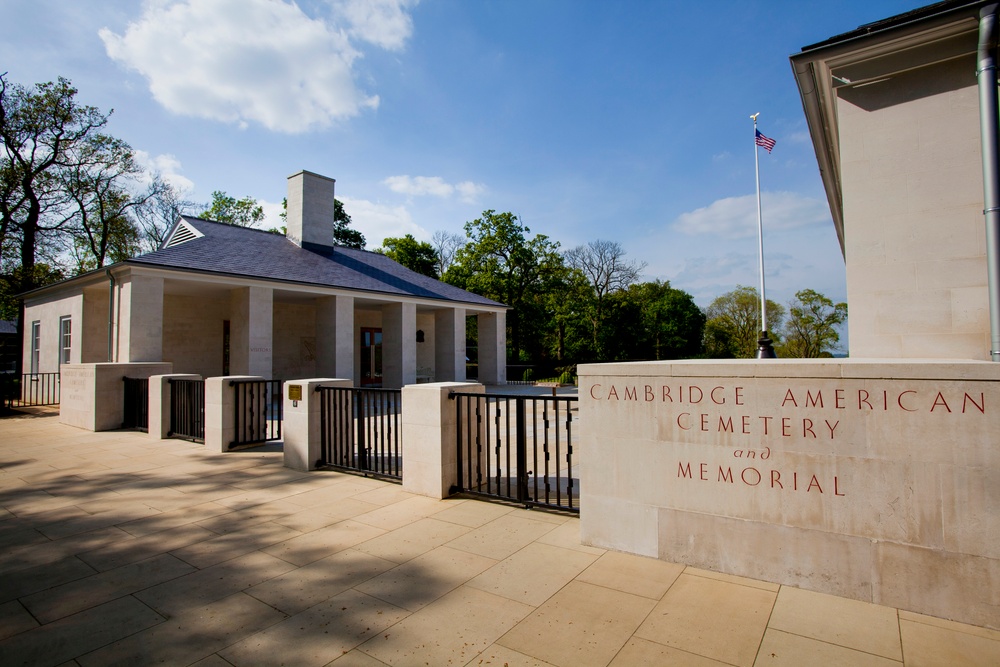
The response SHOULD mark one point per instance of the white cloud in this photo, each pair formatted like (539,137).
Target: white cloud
(256,61)
(272,214)
(384,23)
(735,217)
(378,221)
(419,186)
(169,169)
(469,191)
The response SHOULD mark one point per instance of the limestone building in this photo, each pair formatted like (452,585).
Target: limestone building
(217,299)
(893,108)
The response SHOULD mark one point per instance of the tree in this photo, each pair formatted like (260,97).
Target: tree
(104,187)
(157,215)
(604,265)
(566,298)
(655,321)
(244,212)
(733,325)
(499,262)
(811,330)
(415,255)
(446,244)
(43,132)
(343,233)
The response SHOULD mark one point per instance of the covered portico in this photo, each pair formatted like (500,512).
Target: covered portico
(217,325)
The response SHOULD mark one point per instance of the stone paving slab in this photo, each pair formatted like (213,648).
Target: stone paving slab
(117,549)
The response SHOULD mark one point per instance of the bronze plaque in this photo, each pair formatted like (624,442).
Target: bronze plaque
(295,392)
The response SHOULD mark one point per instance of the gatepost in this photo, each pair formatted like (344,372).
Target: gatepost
(429,432)
(220,405)
(301,427)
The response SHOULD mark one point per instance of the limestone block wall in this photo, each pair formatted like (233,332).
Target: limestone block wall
(48,312)
(874,480)
(92,395)
(192,333)
(294,341)
(425,350)
(913,215)
(94,331)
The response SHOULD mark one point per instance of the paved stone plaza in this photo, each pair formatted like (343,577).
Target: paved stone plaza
(121,550)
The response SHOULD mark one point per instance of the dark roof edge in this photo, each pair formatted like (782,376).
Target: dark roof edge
(133,262)
(898,21)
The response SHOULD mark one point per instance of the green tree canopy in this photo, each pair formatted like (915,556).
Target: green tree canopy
(653,320)
(343,233)
(44,133)
(500,262)
(245,212)
(733,325)
(415,255)
(811,330)
(604,265)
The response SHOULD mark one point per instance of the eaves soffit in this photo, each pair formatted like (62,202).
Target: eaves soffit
(876,57)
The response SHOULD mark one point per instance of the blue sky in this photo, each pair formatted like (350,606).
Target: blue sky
(625,121)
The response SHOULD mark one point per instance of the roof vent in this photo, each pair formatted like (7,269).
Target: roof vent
(182,233)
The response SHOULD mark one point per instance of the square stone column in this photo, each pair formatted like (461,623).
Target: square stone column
(140,320)
(399,345)
(449,344)
(335,336)
(430,432)
(301,426)
(492,348)
(250,341)
(220,406)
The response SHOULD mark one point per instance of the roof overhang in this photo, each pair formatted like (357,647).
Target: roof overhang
(190,281)
(871,55)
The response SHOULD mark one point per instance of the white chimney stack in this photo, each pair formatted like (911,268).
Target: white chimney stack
(309,215)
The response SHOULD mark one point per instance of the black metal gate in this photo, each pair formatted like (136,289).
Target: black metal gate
(257,411)
(136,403)
(187,409)
(517,448)
(361,430)
(29,389)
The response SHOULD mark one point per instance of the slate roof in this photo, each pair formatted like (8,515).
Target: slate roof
(896,21)
(240,251)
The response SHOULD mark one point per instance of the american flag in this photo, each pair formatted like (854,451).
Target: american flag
(766,142)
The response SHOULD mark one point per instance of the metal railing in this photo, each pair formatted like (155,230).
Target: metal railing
(187,409)
(257,411)
(136,403)
(360,430)
(19,391)
(517,448)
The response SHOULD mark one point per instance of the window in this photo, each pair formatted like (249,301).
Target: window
(36,347)
(65,338)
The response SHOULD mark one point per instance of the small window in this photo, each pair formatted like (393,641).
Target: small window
(65,339)
(36,345)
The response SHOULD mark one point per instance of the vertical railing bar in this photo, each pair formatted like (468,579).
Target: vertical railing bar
(482,431)
(522,448)
(569,454)
(555,410)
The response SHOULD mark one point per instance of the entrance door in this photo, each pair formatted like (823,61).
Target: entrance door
(371,357)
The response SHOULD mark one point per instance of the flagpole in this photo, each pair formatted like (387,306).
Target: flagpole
(764,348)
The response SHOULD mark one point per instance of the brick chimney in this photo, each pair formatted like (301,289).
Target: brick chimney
(309,216)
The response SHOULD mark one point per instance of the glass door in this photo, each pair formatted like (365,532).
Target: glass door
(371,357)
